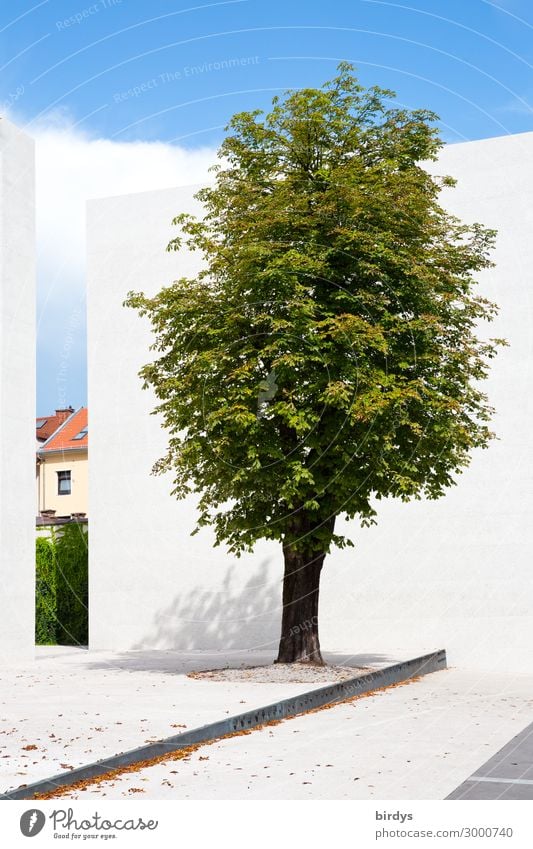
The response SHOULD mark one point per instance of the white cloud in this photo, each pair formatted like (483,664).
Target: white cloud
(71,167)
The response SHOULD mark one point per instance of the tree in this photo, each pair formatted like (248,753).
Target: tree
(326,356)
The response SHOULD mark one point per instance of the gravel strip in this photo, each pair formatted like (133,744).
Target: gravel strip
(283,673)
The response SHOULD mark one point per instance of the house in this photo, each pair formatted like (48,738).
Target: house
(45,426)
(61,474)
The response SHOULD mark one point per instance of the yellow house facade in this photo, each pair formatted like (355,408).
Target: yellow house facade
(62,465)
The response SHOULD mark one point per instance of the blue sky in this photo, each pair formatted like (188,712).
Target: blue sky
(123,95)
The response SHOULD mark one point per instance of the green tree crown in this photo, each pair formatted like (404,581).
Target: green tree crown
(326,355)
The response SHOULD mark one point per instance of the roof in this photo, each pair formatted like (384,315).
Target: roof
(72,435)
(45,426)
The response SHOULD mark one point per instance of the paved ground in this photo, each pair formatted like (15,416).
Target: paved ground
(417,741)
(507,775)
(72,706)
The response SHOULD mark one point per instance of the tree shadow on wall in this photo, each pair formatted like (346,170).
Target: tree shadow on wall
(232,625)
(230,617)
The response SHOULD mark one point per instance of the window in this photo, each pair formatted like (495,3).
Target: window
(41,423)
(81,434)
(63,483)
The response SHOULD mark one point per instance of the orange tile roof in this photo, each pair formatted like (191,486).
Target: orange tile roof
(45,426)
(65,437)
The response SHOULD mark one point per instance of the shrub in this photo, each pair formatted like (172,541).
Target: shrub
(45,593)
(61,615)
(72,547)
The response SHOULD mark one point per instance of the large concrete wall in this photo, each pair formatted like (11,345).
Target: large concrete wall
(17,394)
(150,584)
(454,573)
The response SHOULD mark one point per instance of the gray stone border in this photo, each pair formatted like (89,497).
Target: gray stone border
(284,709)
(508,774)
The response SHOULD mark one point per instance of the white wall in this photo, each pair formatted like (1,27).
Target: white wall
(456,573)
(150,584)
(17,394)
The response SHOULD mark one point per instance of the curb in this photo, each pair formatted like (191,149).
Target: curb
(284,709)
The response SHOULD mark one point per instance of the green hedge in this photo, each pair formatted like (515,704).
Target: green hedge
(45,593)
(72,586)
(62,587)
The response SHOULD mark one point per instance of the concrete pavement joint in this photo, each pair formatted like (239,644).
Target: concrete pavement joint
(475,779)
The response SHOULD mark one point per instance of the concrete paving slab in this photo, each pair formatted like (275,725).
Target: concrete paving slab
(416,741)
(507,775)
(490,791)
(72,706)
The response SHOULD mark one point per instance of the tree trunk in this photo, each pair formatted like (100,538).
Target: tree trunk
(299,641)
